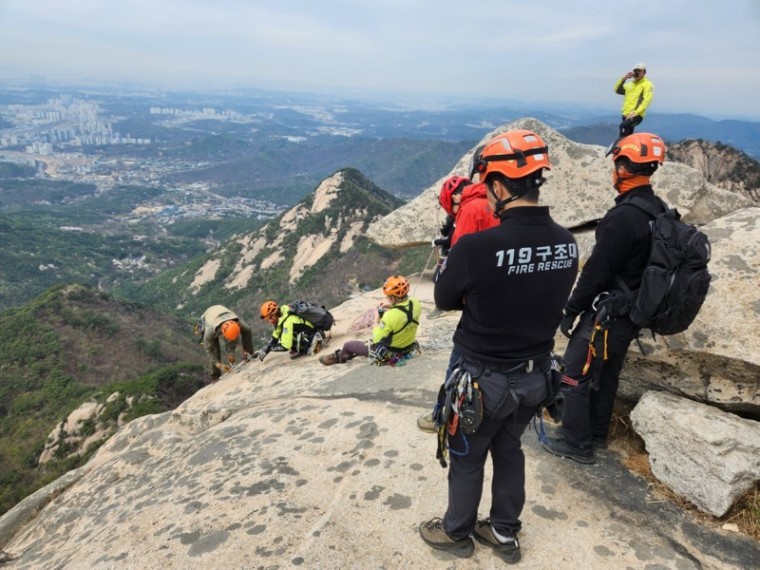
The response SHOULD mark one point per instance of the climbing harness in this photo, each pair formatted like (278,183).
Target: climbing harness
(459,409)
(597,345)
(554,400)
(381,355)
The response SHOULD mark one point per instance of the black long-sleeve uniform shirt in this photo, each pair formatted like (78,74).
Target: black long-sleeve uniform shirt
(511,283)
(623,242)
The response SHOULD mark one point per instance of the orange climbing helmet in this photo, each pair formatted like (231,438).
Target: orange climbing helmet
(396,286)
(230,330)
(515,154)
(452,185)
(640,148)
(268,309)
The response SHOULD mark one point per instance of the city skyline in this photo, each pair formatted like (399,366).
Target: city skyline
(702,61)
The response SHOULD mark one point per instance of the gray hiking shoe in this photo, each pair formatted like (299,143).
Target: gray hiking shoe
(561,448)
(433,534)
(435,313)
(509,550)
(425,423)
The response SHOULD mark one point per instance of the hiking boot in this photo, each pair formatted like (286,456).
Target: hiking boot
(561,448)
(435,313)
(433,534)
(425,423)
(330,359)
(599,442)
(295,354)
(509,550)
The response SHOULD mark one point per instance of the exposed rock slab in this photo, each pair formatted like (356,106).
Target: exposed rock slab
(290,463)
(708,456)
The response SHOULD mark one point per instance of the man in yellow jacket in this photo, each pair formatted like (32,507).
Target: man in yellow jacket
(395,335)
(291,331)
(637,92)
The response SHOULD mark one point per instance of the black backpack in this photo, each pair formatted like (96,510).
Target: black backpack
(317,315)
(675,281)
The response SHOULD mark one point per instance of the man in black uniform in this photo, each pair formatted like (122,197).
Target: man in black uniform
(620,253)
(510,282)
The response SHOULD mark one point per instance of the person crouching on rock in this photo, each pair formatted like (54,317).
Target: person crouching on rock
(291,331)
(219,325)
(394,336)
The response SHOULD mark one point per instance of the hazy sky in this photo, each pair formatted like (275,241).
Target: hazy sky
(703,56)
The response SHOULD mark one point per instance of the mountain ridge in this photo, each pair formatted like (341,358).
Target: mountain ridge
(316,249)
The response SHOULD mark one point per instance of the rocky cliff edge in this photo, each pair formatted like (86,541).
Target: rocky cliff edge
(289,463)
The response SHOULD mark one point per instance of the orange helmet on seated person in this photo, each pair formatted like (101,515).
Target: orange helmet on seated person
(396,286)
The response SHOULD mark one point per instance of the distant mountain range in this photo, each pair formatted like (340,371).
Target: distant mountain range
(742,135)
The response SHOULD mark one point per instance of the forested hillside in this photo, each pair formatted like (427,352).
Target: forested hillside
(73,343)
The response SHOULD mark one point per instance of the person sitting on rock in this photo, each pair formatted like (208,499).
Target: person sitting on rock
(291,331)
(218,325)
(394,337)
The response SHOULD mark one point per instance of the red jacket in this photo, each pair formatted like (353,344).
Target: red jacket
(474,212)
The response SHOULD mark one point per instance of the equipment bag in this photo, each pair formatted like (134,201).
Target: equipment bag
(675,282)
(317,315)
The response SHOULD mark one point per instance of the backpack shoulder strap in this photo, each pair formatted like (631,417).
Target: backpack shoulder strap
(646,206)
(408,310)
(649,209)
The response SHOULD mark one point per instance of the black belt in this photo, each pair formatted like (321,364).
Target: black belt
(543,363)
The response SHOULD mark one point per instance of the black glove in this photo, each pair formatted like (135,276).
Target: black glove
(567,322)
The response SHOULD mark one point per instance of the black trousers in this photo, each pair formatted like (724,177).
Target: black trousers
(509,402)
(588,412)
(627,125)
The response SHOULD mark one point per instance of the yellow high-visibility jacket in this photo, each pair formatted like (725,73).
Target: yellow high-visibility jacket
(396,330)
(637,95)
(288,325)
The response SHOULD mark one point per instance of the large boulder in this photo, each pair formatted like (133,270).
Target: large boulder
(578,190)
(708,456)
(717,360)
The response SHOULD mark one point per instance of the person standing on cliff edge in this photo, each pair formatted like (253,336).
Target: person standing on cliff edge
(637,92)
(511,283)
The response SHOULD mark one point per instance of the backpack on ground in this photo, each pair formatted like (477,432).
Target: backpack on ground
(317,315)
(675,282)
